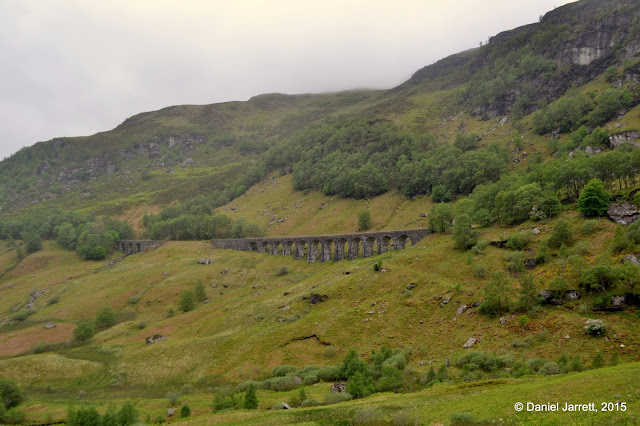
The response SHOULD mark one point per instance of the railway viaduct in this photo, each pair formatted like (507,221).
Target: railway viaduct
(326,247)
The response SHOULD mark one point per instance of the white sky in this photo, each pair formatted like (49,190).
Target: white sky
(77,67)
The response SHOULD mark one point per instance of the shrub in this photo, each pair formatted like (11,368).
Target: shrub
(83,331)
(600,277)
(127,414)
(334,398)
(20,316)
(590,227)
(515,263)
(480,271)
(594,327)
(311,402)
(549,368)
(310,379)
(282,271)
(520,240)
(463,235)
(251,399)
(134,299)
(15,416)
(10,394)
(40,347)
(283,384)
(377,266)
(535,364)
(367,416)
(105,318)
(404,418)
(364,220)
(199,293)
(330,373)
(558,286)
(462,419)
(561,234)
(576,364)
(187,301)
(53,300)
(173,398)
(597,361)
(479,248)
(496,295)
(185,412)
(283,370)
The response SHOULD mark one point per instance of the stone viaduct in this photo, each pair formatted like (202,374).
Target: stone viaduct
(326,247)
(136,246)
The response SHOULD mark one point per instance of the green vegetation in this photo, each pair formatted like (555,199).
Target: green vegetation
(364,220)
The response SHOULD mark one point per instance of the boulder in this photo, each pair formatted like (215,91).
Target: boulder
(572,295)
(49,325)
(338,388)
(623,213)
(171,412)
(630,258)
(546,296)
(411,286)
(205,261)
(618,302)
(446,300)
(536,231)
(461,309)
(155,338)
(469,343)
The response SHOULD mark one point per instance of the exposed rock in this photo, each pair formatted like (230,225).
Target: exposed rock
(630,258)
(623,213)
(171,412)
(572,295)
(207,301)
(214,285)
(592,150)
(618,302)
(33,296)
(338,388)
(472,341)
(155,338)
(285,406)
(285,308)
(314,299)
(49,325)
(424,214)
(411,286)
(546,296)
(446,300)
(624,137)
(536,231)
(503,121)
(205,261)
(503,320)
(461,309)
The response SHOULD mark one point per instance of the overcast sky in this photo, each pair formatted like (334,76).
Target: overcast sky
(77,67)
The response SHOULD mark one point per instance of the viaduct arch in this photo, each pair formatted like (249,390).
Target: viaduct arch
(327,247)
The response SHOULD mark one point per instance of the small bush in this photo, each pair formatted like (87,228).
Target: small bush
(329,374)
(282,271)
(199,293)
(40,347)
(516,262)
(10,394)
(53,300)
(520,240)
(480,271)
(594,327)
(310,379)
(83,331)
(311,402)
(479,247)
(105,318)
(283,384)
(561,234)
(549,368)
(334,398)
(20,316)
(597,361)
(15,416)
(173,398)
(367,416)
(244,386)
(558,286)
(535,364)
(462,419)
(576,364)
(364,220)
(590,226)
(187,301)
(283,370)
(185,412)
(377,266)
(134,299)
(404,418)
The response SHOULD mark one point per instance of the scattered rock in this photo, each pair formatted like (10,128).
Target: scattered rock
(461,309)
(214,285)
(314,299)
(49,325)
(424,214)
(536,231)
(446,300)
(630,258)
(503,121)
(205,261)
(546,296)
(171,412)
(618,302)
(567,337)
(155,338)
(285,406)
(411,286)
(503,320)
(623,213)
(285,308)
(472,341)
(572,295)
(592,150)
(338,388)
(207,301)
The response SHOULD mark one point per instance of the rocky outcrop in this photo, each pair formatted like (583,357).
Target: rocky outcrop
(623,213)
(632,137)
